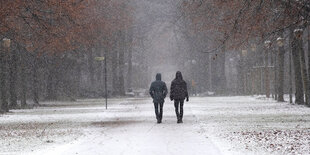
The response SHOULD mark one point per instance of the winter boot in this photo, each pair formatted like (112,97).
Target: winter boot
(158,121)
(180,121)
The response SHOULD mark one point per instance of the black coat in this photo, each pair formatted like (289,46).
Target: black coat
(178,88)
(158,90)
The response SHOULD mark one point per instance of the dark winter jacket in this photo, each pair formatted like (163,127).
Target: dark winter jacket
(158,90)
(178,88)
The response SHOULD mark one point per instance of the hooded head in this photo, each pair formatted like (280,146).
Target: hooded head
(179,75)
(158,77)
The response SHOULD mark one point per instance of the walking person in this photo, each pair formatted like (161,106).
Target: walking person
(178,93)
(158,92)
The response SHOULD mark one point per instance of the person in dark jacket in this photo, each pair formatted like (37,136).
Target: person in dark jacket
(178,93)
(158,92)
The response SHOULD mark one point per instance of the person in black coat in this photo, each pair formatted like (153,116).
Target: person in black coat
(178,93)
(158,92)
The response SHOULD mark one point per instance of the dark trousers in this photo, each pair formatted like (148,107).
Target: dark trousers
(177,104)
(159,110)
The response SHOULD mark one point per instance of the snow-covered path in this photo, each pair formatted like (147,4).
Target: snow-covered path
(212,125)
(133,130)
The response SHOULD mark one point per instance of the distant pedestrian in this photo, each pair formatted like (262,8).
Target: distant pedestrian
(158,92)
(178,93)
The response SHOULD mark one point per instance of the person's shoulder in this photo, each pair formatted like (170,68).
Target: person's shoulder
(153,83)
(162,82)
(182,82)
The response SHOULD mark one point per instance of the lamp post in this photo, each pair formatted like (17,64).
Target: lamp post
(105,77)
(3,59)
(280,82)
(267,84)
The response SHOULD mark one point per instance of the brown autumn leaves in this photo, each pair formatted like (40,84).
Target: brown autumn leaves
(57,26)
(236,22)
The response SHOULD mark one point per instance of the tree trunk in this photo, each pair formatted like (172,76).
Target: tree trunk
(121,61)
(290,68)
(91,68)
(129,76)
(290,77)
(281,74)
(266,70)
(13,79)
(35,80)
(299,93)
(114,73)
(210,74)
(304,70)
(276,74)
(121,73)
(78,77)
(23,82)
(3,87)
(308,52)
(240,68)
(222,73)
(219,78)
(51,90)
(308,59)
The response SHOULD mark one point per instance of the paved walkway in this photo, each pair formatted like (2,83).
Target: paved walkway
(131,128)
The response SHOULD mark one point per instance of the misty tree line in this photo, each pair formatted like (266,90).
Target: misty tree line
(72,75)
(49,49)
(53,45)
(261,40)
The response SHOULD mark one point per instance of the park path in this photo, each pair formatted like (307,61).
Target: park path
(212,125)
(131,128)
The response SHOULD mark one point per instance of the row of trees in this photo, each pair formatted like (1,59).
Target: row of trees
(242,25)
(49,48)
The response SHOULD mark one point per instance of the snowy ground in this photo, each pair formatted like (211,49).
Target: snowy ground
(212,125)
(252,125)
